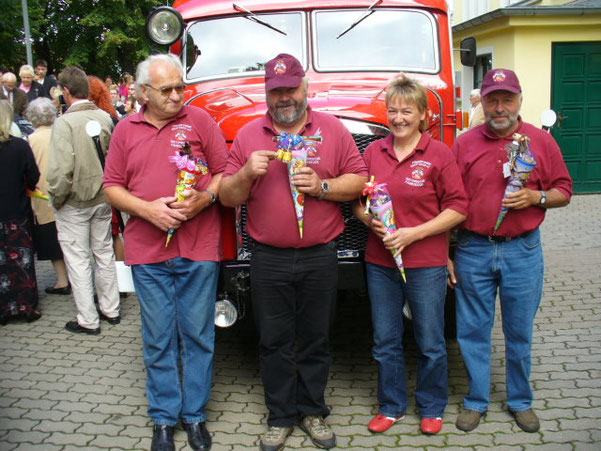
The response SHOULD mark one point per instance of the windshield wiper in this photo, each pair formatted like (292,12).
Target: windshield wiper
(254,18)
(368,12)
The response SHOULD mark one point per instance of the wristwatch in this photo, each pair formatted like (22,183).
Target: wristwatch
(211,195)
(325,189)
(543,198)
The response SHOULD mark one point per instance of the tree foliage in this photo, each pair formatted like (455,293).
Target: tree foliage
(104,37)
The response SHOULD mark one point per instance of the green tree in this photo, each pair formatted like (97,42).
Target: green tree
(104,37)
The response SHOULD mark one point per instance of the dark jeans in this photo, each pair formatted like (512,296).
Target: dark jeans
(293,296)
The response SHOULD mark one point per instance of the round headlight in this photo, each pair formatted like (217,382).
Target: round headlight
(225,313)
(164,25)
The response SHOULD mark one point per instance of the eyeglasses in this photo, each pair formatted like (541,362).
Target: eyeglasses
(166,90)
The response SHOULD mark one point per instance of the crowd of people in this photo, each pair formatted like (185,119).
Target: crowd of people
(293,275)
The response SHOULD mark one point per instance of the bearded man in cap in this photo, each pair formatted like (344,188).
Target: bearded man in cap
(508,261)
(293,277)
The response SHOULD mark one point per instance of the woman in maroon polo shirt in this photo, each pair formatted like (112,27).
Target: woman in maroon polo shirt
(428,200)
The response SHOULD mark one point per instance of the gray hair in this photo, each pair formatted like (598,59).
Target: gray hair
(9,77)
(41,112)
(26,69)
(475,92)
(143,70)
(6,119)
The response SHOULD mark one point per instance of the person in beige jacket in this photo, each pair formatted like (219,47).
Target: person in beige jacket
(42,114)
(83,218)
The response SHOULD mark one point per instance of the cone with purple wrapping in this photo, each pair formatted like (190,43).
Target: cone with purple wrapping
(379,203)
(522,162)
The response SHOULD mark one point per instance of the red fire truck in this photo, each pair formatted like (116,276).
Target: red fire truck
(350,49)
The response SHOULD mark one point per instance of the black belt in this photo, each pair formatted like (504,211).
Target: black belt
(498,239)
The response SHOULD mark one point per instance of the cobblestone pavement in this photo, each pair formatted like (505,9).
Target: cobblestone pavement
(60,391)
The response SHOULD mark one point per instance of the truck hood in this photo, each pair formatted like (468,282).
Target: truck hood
(233,107)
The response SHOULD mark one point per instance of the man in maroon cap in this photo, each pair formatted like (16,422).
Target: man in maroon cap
(293,276)
(509,260)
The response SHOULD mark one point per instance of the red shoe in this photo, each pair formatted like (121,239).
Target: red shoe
(380,423)
(431,426)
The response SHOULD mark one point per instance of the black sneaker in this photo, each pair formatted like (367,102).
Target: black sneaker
(113,321)
(73,326)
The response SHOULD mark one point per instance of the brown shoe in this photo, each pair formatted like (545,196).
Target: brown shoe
(320,433)
(527,420)
(468,420)
(275,438)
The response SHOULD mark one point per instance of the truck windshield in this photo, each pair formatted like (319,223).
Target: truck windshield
(232,45)
(386,40)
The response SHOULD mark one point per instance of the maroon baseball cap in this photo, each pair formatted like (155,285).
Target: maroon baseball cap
(500,80)
(284,71)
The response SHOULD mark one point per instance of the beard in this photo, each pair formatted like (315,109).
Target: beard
(288,117)
(510,121)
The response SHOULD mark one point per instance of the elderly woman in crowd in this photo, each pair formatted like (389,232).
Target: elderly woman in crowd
(18,172)
(28,84)
(42,113)
(428,200)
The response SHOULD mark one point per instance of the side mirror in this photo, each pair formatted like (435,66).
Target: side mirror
(468,51)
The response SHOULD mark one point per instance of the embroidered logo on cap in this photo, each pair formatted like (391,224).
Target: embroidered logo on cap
(499,77)
(280,67)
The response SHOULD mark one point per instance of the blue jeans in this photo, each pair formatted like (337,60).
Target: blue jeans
(425,293)
(514,269)
(177,303)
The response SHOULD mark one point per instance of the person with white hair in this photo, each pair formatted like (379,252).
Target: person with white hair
(17,97)
(476,114)
(28,84)
(176,283)
(42,114)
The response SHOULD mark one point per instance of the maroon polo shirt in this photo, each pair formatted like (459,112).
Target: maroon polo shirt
(481,155)
(421,186)
(271,217)
(138,160)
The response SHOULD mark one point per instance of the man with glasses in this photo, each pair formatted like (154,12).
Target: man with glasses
(176,283)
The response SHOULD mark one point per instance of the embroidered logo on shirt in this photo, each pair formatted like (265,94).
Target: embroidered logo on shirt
(179,134)
(418,173)
(280,67)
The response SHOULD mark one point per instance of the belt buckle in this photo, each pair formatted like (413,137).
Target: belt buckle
(498,239)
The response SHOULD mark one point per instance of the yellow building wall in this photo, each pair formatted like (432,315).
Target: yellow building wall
(523,44)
